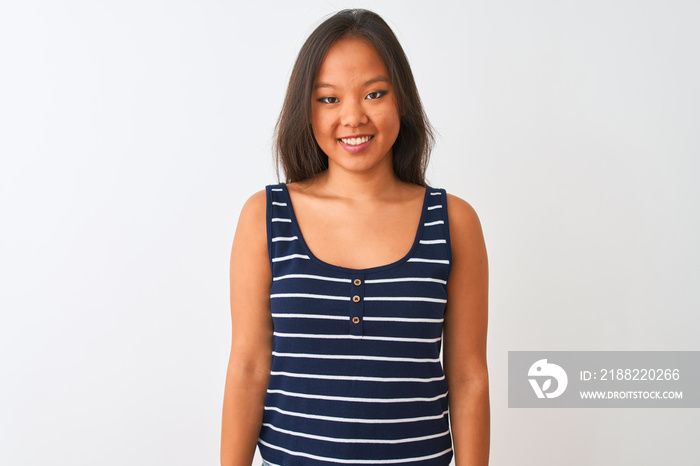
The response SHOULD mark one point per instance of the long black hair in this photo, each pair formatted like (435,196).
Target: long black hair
(296,149)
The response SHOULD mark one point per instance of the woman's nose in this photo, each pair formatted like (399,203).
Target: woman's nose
(353,114)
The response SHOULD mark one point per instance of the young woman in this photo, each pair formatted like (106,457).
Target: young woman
(347,280)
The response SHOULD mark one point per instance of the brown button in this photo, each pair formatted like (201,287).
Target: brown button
(355,299)
(355,320)
(357,282)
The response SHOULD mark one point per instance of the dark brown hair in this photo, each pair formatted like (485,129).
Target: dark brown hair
(296,149)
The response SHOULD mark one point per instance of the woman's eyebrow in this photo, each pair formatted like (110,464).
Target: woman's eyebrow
(376,80)
(320,85)
(367,83)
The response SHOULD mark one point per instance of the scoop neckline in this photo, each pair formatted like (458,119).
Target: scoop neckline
(312,256)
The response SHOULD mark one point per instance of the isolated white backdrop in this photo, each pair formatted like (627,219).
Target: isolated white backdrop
(132,132)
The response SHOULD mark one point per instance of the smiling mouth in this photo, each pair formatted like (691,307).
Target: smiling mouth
(355,141)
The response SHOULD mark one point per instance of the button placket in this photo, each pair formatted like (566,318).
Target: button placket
(357,304)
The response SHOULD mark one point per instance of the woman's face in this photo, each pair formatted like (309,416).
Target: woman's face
(354,113)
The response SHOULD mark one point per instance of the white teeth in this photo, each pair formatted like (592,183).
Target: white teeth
(356,141)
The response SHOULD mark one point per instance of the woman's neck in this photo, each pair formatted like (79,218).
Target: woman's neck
(359,186)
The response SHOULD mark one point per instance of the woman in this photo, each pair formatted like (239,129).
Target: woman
(347,280)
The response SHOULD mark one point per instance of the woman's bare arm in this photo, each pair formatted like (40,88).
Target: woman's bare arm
(465,337)
(251,343)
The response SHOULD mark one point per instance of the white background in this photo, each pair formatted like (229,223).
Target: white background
(132,132)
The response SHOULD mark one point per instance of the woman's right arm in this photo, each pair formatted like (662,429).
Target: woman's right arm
(251,343)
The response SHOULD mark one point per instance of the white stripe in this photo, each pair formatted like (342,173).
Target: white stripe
(354,337)
(291,256)
(404,298)
(433,241)
(430,224)
(310,316)
(432,207)
(276,189)
(402,319)
(313,277)
(284,238)
(356,440)
(281,204)
(436,194)
(358,420)
(430,261)
(286,220)
(309,295)
(346,461)
(359,378)
(408,279)
(358,357)
(312,396)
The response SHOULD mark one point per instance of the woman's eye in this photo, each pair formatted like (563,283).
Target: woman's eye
(375,95)
(328,100)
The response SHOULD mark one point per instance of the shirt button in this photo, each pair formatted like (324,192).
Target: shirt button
(355,299)
(355,320)
(357,282)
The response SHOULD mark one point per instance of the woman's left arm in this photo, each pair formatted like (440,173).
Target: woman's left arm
(464,340)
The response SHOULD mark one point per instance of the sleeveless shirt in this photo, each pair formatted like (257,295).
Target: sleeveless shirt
(356,376)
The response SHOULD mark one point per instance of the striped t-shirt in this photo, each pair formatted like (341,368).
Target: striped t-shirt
(356,376)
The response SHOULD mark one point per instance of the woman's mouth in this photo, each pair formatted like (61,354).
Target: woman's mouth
(355,144)
(356,141)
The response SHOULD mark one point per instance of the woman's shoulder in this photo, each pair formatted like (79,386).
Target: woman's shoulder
(253,214)
(464,221)
(460,210)
(255,203)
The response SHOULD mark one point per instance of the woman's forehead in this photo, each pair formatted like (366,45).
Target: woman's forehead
(351,61)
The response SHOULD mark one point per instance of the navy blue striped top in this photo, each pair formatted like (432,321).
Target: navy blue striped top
(356,376)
